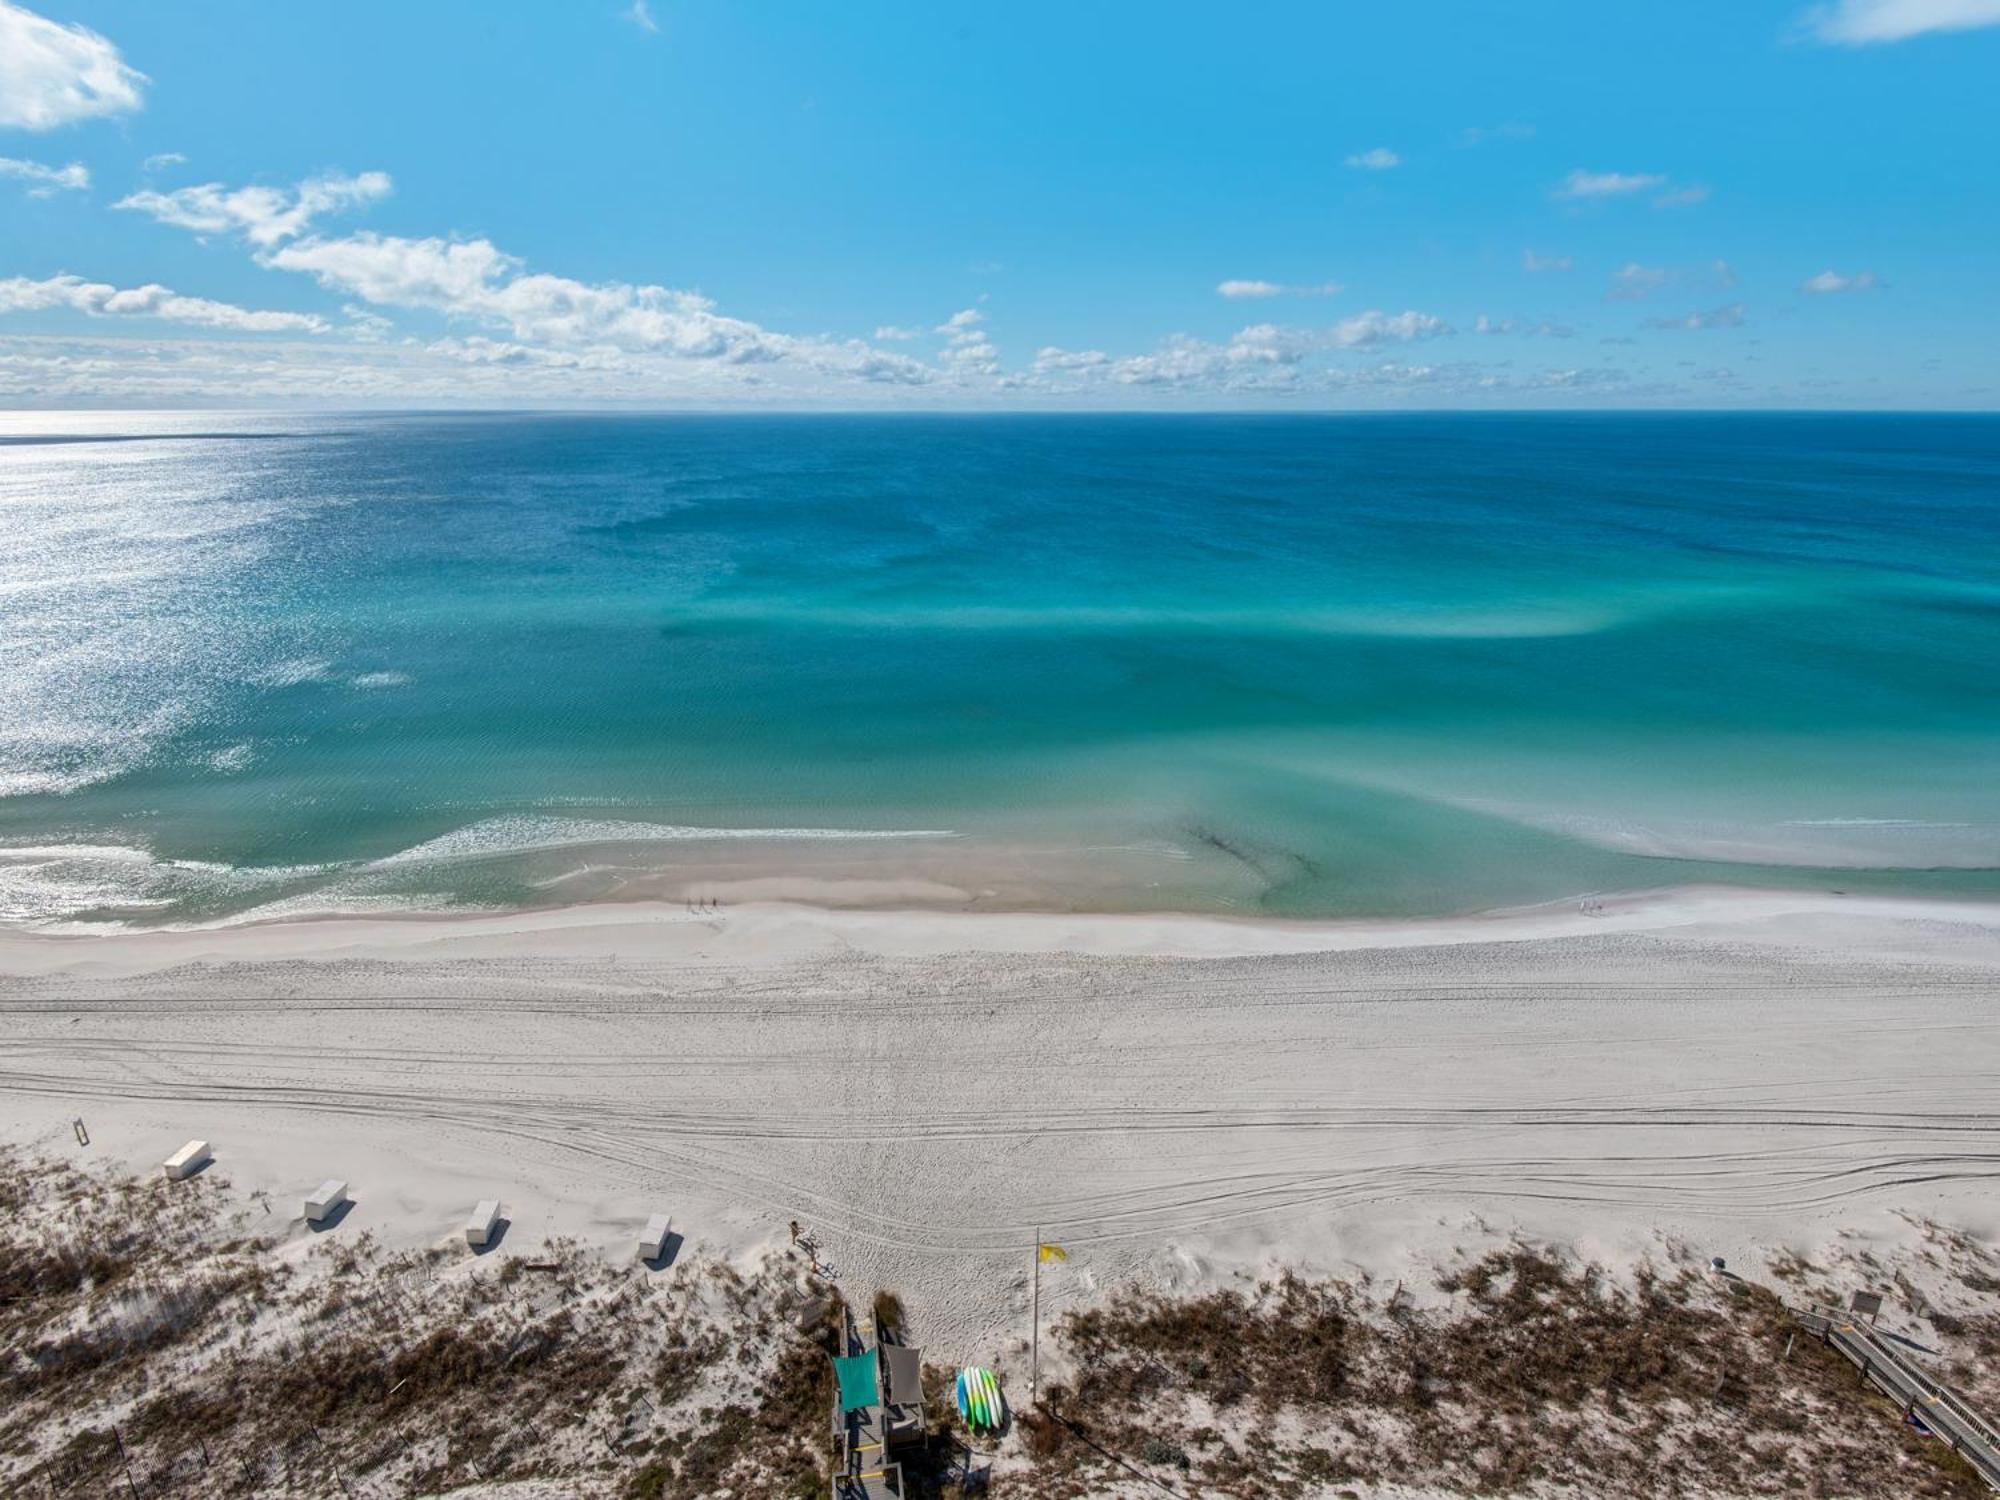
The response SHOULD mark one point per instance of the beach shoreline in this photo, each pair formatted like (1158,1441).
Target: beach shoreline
(1186,1101)
(790,924)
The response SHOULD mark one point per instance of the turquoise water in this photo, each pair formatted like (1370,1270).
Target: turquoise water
(1382,665)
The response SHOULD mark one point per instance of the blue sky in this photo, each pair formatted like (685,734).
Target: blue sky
(1105,205)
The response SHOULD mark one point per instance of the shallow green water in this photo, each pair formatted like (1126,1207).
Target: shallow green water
(1304,665)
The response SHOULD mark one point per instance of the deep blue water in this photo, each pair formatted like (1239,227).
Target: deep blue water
(1293,664)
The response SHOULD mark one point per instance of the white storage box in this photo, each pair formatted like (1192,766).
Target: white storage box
(479,1228)
(325,1200)
(653,1243)
(187,1161)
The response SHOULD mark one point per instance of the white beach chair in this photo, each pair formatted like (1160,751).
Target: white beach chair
(325,1200)
(186,1162)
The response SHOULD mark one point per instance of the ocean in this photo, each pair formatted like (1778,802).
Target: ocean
(1284,665)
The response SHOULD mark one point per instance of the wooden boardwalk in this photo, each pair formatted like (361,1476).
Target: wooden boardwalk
(863,1469)
(1940,1408)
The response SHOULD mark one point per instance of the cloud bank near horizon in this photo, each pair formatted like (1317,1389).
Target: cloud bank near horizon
(423,312)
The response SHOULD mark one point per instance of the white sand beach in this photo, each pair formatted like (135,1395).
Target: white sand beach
(1177,1100)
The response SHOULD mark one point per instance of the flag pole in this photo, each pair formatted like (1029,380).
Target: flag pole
(1035,1339)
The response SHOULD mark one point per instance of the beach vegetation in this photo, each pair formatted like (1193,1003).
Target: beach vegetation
(153,1330)
(166,1339)
(1529,1373)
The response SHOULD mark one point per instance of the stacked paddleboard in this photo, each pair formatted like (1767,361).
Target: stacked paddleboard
(979,1400)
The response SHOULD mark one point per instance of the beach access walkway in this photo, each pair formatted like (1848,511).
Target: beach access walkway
(1940,1409)
(878,1407)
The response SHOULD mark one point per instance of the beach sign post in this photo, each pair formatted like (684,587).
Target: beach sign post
(1042,1252)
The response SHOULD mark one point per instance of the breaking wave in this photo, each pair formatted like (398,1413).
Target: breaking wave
(53,883)
(498,837)
(1810,843)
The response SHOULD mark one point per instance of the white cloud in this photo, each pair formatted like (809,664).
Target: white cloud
(1830,282)
(1547,328)
(973,356)
(480,350)
(1683,197)
(1372,327)
(99,299)
(967,352)
(443,275)
(365,325)
(132,370)
(474,279)
(264,216)
(1633,282)
(1582,184)
(1179,360)
(1238,290)
(51,74)
(1859,23)
(40,370)
(1269,344)
(1054,360)
(550,336)
(1720,317)
(1530,261)
(1264,356)
(1480,135)
(1380,159)
(877,366)
(641,16)
(162,159)
(46,180)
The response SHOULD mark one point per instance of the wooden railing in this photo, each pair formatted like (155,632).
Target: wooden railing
(1936,1405)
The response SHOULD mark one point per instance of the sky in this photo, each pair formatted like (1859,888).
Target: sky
(1489,203)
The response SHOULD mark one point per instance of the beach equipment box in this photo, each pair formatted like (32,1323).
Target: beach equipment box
(653,1243)
(325,1199)
(479,1228)
(187,1161)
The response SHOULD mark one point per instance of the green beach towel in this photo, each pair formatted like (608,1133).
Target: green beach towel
(858,1387)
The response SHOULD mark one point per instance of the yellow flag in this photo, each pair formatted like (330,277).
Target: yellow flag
(1051,1252)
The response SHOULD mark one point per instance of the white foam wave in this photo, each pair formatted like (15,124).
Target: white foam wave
(49,882)
(498,837)
(44,883)
(1871,823)
(1526,620)
(40,783)
(120,854)
(291,673)
(1815,843)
